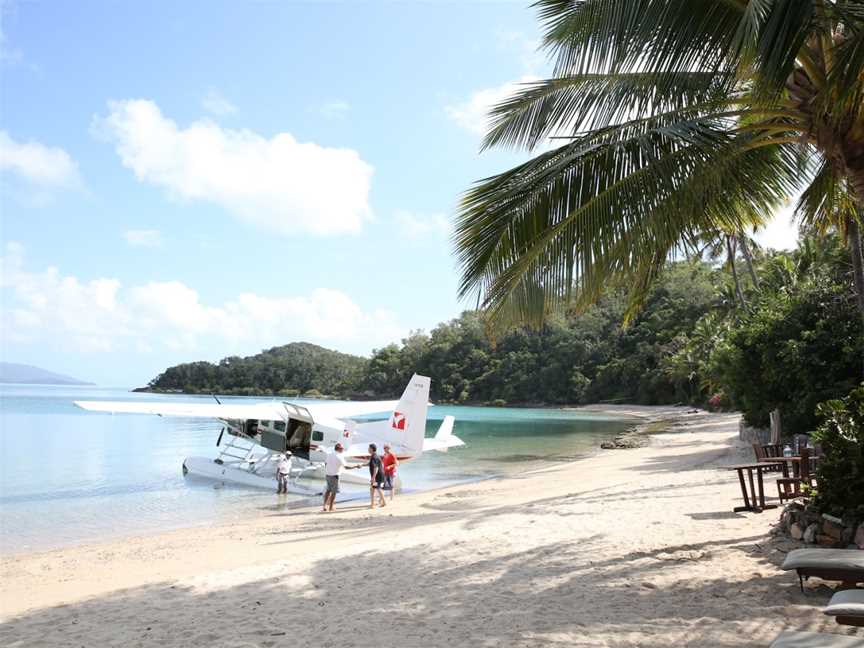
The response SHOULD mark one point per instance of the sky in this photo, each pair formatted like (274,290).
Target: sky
(186,181)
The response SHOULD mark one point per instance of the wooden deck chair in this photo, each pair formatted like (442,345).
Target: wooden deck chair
(760,452)
(789,488)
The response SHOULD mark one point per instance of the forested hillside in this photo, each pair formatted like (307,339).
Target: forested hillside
(574,359)
(287,370)
(786,335)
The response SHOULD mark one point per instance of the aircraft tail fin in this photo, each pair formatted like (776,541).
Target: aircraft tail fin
(406,426)
(408,420)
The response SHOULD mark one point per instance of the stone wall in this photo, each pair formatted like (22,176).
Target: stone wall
(753,435)
(804,523)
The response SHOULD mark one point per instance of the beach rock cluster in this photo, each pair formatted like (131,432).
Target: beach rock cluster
(803,522)
(630,438)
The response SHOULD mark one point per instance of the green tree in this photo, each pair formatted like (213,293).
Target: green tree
(677,117)
(841,471)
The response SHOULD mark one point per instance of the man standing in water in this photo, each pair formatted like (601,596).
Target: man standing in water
(376,476)
(283,469)
(332,469)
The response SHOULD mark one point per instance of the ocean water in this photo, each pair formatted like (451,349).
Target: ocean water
(68,476)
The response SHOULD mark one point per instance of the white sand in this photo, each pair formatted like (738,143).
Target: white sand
(627,548)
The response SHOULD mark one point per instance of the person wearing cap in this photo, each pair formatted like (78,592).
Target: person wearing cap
(390,464)
(333,467)
(283,469)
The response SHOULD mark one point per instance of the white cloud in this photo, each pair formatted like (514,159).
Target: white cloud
(414,226)
(143,238)
(216,104)
(101,315)
(335,109)
(45,167)
(279,183)
(473,113)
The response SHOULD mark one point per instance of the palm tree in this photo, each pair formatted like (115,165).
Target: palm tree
(670,118)
(719,244)
(748,245)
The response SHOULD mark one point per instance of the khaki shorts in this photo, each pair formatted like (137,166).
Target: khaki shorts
(332,484)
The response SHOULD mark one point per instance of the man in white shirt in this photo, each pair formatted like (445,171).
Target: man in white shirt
(333,466)
(283,469)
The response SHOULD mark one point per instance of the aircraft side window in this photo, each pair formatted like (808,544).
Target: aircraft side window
(279,425)
(317,435)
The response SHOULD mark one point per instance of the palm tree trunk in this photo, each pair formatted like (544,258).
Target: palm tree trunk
(853,235)
(748,259)
(730,249)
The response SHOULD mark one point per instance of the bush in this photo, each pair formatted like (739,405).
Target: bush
(840,475)
(792,352)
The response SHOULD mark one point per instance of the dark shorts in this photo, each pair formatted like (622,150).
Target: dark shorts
(388,481)
(332,484)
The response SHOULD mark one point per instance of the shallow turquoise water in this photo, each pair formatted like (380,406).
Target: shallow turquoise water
(69,476)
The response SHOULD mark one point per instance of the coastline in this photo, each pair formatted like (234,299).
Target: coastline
(622,548)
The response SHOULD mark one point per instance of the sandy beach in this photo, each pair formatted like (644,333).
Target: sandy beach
(632,547)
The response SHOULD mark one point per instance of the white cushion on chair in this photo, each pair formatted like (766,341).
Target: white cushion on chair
(824,559)
(848,603)
(789,639)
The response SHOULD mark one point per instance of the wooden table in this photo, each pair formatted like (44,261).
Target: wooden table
(750,501)
(795,462)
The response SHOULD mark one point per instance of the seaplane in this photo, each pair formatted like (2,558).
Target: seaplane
(258,434)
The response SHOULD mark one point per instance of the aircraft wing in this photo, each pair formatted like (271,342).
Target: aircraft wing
(261,411)
(344,411)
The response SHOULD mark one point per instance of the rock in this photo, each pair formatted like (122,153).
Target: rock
(811,518)
(810,533)
(832,529)
(859,536)
(832,518)
(825,540)
(795,531)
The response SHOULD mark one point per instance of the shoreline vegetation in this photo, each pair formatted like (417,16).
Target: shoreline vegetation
(798,342)
(666,551)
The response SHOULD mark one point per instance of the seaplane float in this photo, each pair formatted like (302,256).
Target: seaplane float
(259,433)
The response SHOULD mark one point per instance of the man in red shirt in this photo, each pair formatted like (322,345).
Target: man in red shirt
(390,464)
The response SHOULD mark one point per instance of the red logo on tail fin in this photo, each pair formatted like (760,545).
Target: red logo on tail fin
(398,421)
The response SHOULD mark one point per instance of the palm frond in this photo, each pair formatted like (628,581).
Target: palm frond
(553,231)
(591,101)
(655,36)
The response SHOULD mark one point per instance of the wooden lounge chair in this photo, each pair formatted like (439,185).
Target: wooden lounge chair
(847,608)
(790,487)
(790,639)
(844,565)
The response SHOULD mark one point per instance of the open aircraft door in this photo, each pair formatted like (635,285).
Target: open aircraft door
(294,434)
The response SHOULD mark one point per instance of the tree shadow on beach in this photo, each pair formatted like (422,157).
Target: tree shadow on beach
(552,594)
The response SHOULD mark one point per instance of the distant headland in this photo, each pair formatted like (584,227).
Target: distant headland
(12,372)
